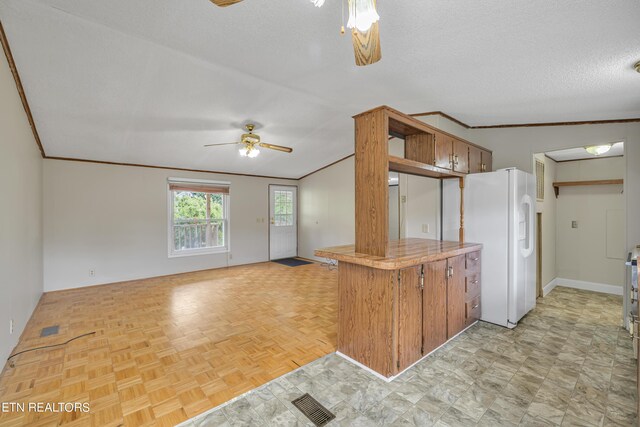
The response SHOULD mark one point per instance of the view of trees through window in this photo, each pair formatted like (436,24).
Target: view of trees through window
(283,208)
(198,220)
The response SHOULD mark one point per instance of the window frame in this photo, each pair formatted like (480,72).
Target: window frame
(172,252)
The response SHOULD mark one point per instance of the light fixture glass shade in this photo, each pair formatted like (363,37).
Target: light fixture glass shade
(249,152)
(317,3)
(362,15)
(597,150)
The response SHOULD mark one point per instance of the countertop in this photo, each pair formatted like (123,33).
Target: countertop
(401,253)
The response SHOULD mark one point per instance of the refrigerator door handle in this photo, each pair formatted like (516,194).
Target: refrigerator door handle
(526,200)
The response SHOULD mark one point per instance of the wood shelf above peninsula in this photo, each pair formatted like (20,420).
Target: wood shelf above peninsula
(401,253)
(412,167)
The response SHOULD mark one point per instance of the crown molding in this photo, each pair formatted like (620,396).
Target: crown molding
(16,76)
(521,125)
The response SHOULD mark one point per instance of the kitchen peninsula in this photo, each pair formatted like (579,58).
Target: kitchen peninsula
(400,300)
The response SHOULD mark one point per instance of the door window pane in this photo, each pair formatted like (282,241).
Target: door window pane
(283,208)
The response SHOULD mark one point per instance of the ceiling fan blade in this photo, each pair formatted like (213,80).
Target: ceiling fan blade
(225,3)
(366,46)
(224,143)
(276,147)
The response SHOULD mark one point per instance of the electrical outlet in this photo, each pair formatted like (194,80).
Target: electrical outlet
(574,224)
(11,327)
(425,228)
(403,199)
(92,272)
(230,256)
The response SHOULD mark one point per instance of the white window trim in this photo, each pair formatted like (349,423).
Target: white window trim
(199,251)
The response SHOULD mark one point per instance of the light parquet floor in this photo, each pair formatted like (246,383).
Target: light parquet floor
(170,348)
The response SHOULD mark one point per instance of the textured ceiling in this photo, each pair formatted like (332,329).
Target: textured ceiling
(152,81)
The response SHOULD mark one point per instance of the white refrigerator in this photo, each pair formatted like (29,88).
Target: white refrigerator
(500,213)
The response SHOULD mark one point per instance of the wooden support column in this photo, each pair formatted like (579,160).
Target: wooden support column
(372,182)
(461,237)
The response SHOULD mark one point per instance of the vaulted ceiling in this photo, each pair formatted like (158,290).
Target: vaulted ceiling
(152,81)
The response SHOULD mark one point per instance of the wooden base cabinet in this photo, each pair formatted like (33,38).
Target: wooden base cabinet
(390,319)
(409,316)
(434,305)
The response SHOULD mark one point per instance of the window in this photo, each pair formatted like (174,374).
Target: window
(198,217)
(283,209)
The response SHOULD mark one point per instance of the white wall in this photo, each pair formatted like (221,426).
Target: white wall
(516,146)
(114,219)
(326,208)
(421,206)
(20,215)
(595,251)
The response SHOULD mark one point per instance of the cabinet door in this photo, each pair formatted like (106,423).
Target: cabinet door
(409,317)
(434,305)
(475,159)
(420,148)
(443,151)
(487,161)
(460,156)
(455,295)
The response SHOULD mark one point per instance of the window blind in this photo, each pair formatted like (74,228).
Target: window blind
(199,187)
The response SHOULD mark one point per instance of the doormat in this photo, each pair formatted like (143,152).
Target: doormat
(292,262)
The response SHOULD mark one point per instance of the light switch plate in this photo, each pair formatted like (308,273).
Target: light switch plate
(574,224)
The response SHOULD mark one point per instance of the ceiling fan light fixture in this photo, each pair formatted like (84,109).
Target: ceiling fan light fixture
(362,15)
(597,150)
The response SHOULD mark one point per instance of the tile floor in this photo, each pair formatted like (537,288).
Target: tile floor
(568,363)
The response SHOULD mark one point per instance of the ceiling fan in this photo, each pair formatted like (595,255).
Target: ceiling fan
(363,22)
(251,141)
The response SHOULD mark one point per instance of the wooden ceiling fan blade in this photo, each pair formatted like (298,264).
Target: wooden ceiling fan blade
(276,147)
(225,3)
(224,143)
(366,46)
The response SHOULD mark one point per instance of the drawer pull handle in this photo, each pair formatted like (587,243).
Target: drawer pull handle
(475,306)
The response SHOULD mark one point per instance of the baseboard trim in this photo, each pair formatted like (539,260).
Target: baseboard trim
(604,288)
(393,377)
(549,287)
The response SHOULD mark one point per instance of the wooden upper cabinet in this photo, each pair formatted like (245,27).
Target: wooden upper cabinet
(419,148)
(460,156)
(475,159)
(443,151)
(409,317)
(487,161)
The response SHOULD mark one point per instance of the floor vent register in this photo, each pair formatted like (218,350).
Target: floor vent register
(313,410)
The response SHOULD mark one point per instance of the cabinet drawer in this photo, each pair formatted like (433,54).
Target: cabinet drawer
(473,261)
(472,310)
(472,286)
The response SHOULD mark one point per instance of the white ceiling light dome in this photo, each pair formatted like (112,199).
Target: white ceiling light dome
(362,15)
(597,150)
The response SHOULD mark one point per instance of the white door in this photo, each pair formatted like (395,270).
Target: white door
(283,218)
